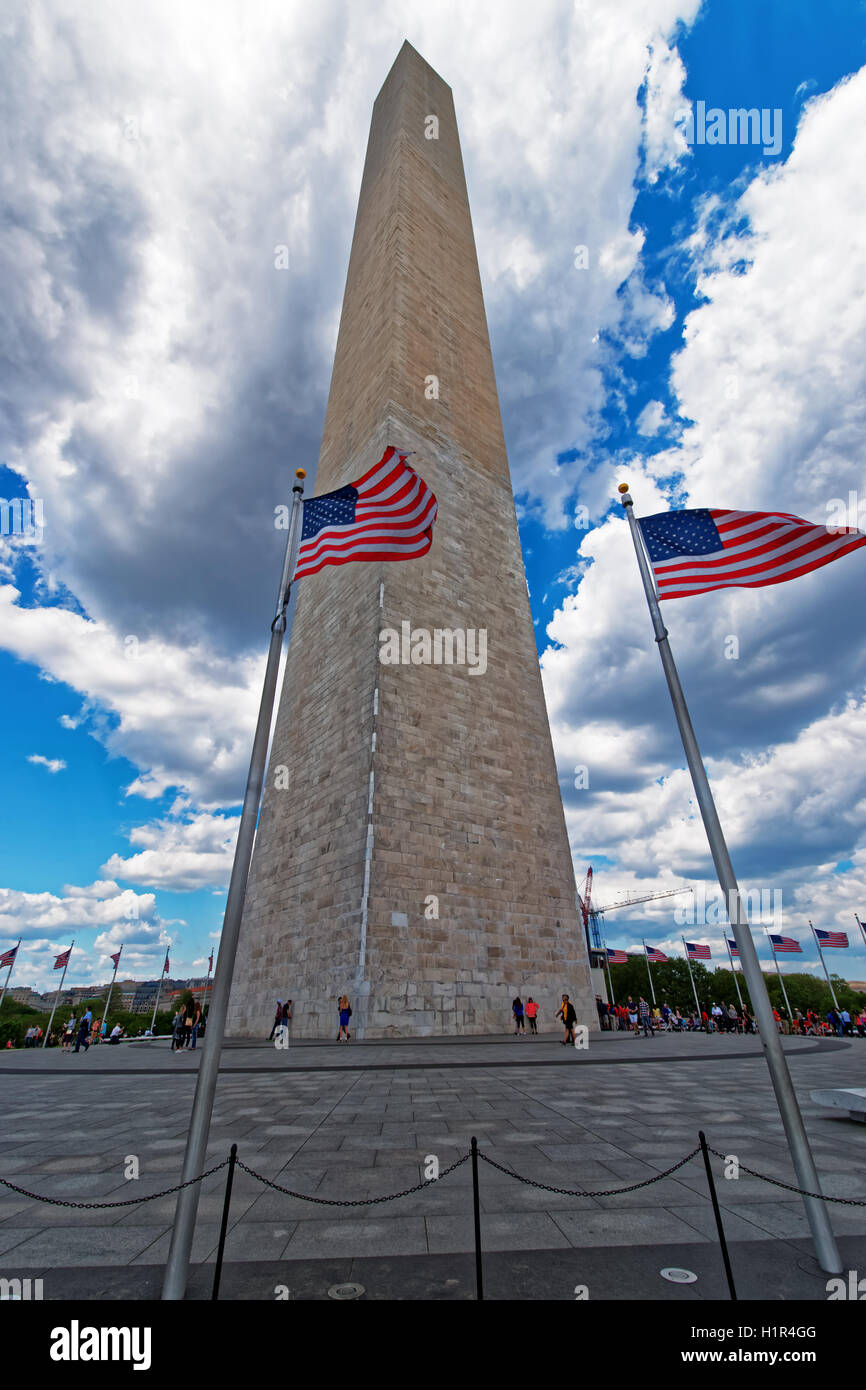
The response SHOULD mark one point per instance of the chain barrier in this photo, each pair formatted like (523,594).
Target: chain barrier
(356,1201)
(420,1186)
(789,1187)
(608,1192)
(102,1206)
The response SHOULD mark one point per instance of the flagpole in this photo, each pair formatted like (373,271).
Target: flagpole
(649,971)
(11,968)
(607,963)
(158,993)
(733,971)
(861,926)
(177,1267)
(110,990)
(792,1120)
(826,971)
(691,977)
(57,996)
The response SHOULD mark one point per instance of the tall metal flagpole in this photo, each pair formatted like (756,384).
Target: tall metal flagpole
(177,1268)
(826,971)
(110,991)
(733,971)
(798,1143)
(691,977)
(861,926)
(607,963)
(649,972)
(11,968)
(162,976)
(57,996)
(781,982)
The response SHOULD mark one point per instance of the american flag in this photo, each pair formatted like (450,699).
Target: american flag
(831,938)
(62,961)
(655,956)
(697,952)
(210,963)
(733,947)
(700,549)
(616,957)
(386,515)
(116,958)
(8,957)
(165,967)
(786,943)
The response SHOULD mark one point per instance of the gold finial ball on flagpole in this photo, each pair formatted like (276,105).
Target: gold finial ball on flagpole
(300,472)
(623,487)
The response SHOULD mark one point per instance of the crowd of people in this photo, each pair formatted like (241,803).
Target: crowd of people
(637,1016)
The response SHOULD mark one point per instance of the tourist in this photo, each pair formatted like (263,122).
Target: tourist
(278,1020)
(632,1014)
(176,1031)
(646,1020)
(569,1018)
(116,1034)
(188,1022)
(196,1024)
(83,1033)
(517,1010)
(345,1014)
(531,1012)
(94,1032)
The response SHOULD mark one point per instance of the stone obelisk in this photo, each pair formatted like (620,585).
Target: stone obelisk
(412,848)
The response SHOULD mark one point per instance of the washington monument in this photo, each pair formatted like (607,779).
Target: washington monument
(412,849)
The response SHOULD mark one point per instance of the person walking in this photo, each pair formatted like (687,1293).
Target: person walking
(68,1034)
(646,1021)
(94,1032)
(632,1015)
(517,1010)
(569,1018)
(83,1032)
(196,1024)
(278,1020)
(531,1012)
(177,1031)
(345,1014)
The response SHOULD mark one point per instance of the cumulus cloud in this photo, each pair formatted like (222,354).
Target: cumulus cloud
(652,418)
(772,378)
(52,764)
(160,369)
(195,851)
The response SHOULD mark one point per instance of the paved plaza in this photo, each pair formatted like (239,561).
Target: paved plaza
(359,1121)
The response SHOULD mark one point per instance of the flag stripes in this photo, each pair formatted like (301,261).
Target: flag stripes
(388,514)
(698,550)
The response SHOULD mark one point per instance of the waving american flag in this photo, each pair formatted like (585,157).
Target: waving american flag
(386,515)
(831,938)
(700,549)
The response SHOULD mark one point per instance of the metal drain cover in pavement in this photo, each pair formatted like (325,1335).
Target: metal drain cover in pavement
(345,1290)
(679,1276)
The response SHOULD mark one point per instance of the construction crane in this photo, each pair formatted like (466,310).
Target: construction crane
(592,914)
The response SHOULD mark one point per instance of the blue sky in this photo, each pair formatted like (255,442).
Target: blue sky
(161,377)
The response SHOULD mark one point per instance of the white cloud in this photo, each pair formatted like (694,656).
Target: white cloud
(52,764)
(180,854)
(772,377)
(652,418)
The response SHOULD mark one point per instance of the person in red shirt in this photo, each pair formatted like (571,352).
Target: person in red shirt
(531,1011)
